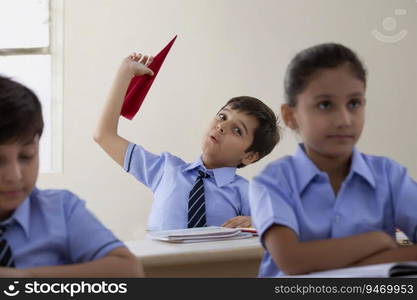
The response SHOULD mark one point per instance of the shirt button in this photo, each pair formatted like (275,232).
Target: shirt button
(337,219)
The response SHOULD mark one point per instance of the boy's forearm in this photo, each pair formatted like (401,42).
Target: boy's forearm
(106,134)
(106,267)
(392,255)
(109,120)
(125,265)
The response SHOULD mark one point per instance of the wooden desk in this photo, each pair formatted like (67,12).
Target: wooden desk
(233,258)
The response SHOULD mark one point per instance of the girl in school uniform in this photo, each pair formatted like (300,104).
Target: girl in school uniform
(328,205)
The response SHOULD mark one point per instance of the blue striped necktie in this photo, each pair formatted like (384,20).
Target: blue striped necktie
(197,203)
(6,258)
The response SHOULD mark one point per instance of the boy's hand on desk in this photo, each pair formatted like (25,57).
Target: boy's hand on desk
(239,221)
(137,64)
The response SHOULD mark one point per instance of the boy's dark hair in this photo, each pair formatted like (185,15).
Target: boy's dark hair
(313,59)
(20,112)
(266,135)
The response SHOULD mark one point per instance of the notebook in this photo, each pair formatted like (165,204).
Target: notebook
(395,269)
(199,234)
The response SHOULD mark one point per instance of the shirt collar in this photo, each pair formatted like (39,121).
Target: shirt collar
(222,176)
(360,167)
(22,213)
(307,170)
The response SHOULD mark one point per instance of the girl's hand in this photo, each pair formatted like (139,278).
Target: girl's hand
(384,239)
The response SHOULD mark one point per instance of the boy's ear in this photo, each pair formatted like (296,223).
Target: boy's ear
(287,114)
(250,157)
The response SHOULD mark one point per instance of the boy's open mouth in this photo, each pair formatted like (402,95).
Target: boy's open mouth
(213,139)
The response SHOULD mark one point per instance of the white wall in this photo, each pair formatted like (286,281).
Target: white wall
(224,49)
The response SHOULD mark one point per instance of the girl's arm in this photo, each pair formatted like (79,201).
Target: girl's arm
(295,257)
(392,255)
(106,133)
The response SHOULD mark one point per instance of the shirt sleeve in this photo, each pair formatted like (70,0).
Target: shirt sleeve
(245,205)
(404,194)
(270,204)
(144,166)
(88,239)
(243,194)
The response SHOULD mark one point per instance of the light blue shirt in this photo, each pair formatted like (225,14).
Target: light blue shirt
(377,195)
(53,227)
(171,180)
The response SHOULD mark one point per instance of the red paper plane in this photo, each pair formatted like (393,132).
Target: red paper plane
(140,85)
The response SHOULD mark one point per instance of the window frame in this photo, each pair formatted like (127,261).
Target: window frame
(55,51)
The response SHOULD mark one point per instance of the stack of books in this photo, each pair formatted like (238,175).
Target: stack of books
(200,234)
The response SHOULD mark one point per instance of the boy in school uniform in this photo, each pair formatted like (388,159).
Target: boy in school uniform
(206,192)
(46,233)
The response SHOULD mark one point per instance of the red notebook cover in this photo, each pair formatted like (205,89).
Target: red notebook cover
(140,85)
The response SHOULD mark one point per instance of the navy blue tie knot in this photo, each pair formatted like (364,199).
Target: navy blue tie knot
(202,175)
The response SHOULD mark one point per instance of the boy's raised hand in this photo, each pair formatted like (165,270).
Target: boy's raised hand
(138,64)
(106,134)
